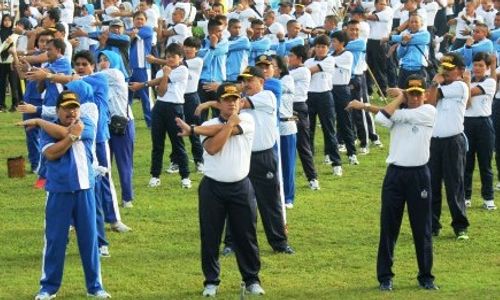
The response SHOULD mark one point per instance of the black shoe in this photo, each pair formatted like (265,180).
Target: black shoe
(12,109)
(429,285)
(286,250)
(386,286)
(227,251)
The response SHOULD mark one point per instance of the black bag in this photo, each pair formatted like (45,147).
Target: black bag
(118,125)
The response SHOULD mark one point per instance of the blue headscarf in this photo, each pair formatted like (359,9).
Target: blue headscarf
(90,8)
(115,61)
(82,89)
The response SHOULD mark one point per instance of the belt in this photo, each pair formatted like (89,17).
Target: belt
(289,119)
(447,137)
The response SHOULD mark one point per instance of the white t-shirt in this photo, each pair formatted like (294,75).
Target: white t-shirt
(302,79)
(321,81)
(411,131)
(381,28)
(232,162)
(264,112)
(286,106)
(177,84)
(451,109)
(194,66)
(481,104)
(343,65)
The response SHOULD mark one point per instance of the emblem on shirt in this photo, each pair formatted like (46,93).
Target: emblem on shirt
(414,129)
(269,175)
(424,194)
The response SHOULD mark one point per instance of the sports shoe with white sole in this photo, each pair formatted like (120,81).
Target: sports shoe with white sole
(127,204)
(210,290)
(154,182)
(186,183)
(489,205)
(364,150)
(327,160)
(200,167)
(104,251)
(468,202)
(288,205)
(314,185)
(353,160)
(497,187)
(378,144)
(44,296)
(342,148)
(255,289)
(337,171)
(462,236)
(102,294)
(120,227)
(173,168)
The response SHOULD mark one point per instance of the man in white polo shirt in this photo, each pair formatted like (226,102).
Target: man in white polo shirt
(225,190)
(450,94)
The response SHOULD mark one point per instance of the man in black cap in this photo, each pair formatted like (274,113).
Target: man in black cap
(225,190)
(450,94)
(407,178)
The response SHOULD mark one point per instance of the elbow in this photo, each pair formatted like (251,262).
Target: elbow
(50,156)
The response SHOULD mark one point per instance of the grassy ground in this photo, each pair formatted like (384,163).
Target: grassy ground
(334,231)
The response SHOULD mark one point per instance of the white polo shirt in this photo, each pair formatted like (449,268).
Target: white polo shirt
(451,109)
(321,81)
(411,131)
(481,104)
(177,84)
(302,79)
(341,74)
(381,28)
(232,162)
(194,66)
(264,113)
(422,12)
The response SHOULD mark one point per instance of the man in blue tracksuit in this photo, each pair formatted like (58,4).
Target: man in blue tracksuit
(259,43)
(413,49)
(67,145)
(141,44)
(292,39)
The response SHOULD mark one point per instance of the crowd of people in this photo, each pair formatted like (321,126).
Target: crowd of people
(75,68)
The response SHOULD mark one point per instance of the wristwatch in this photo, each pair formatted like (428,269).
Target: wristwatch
(50,76)
(74,138)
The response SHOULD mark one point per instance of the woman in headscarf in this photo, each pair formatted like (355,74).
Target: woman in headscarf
(7,41)
(121,145)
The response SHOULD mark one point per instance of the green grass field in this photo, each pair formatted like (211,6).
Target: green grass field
(334,231)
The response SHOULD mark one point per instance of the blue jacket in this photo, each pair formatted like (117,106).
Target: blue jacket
(411,58)
(468,53)
(358,49)
(214,61)
(236,56)
(283,47)
(258,47)
(140,47)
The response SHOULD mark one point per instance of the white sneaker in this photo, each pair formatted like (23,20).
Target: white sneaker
(342,148)
(337,170)
(44,296)
(353,160)
(288,205)
(186,183)
(200,167)
(104,251)
(378,144)
(489,205)
(154,182)
(210,290)
(127,204)
(364,150)
(173,168)
(497,187)
(120,227)
(327,160)
(255,289)
(102,294)
(314,185)
(468,203)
